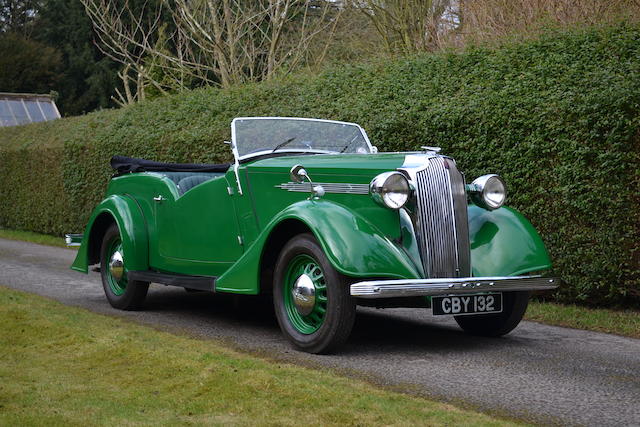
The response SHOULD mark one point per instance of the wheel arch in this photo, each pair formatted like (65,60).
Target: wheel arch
(100,226)
(354,246)
(125,212)
(278,238)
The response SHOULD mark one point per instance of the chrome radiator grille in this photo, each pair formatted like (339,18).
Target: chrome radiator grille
(441,217)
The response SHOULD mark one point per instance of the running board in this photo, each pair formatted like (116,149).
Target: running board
(201,283)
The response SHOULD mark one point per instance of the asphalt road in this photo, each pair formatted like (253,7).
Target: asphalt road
(539,373)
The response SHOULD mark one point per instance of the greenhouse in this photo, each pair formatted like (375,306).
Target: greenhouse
(21,108)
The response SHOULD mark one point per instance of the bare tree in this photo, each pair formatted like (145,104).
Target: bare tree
(254,39)
(125,35)
(493,19)
(408,26)
(212,42)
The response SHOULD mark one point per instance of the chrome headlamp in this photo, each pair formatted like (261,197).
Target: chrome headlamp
(488,191)
(390,189)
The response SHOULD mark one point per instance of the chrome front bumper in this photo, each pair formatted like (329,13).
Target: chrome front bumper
(464,285)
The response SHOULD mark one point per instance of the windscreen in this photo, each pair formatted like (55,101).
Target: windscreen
(254,136)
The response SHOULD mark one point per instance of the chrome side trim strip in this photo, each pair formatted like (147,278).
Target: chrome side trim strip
(446,286)
(329,187)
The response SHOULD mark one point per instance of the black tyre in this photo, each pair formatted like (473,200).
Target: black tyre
(514,305)
(312,300)
(120,292)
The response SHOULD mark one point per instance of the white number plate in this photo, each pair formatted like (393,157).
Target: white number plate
(466,304)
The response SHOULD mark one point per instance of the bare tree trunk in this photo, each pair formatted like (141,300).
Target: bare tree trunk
(407,26)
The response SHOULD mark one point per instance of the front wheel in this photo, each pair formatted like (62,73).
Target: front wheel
(494,325)
(121,292)
(312,302)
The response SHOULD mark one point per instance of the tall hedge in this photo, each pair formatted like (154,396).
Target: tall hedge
(558,117)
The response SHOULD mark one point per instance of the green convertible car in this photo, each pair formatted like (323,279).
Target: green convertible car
(312,214)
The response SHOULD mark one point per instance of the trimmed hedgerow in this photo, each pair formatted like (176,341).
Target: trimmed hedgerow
(558,117)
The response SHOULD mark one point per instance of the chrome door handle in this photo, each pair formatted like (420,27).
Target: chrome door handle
(159,198)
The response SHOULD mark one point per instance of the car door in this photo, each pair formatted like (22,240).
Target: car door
(197,229)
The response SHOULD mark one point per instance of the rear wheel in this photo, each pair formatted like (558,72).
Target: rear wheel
(121,292)
(514,306)
(312,300)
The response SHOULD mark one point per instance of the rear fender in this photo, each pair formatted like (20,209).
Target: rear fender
(504,243)
(126,213)
(352,244)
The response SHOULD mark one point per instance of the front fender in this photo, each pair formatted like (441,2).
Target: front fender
(133,230)
(504,243)
(352,244)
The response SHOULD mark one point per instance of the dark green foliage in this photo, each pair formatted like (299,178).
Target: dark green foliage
(558,117)
(27,65)
(89,77)
(48,46)
(18,16)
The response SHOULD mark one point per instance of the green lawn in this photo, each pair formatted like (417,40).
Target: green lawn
(67,366)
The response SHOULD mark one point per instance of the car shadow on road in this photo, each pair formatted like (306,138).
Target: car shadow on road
(243,310)
(375,331)
(412,331)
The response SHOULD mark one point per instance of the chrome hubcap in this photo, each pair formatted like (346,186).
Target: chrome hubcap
(304,295)
(116,265)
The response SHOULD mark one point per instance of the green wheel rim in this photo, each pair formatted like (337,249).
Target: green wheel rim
(304,264)
(118,287)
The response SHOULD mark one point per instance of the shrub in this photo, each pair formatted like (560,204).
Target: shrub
(27,65)
(558,117)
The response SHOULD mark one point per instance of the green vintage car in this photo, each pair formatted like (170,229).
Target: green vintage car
(313,215)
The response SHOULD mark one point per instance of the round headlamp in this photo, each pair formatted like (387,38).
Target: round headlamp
(390,189)
(488,191)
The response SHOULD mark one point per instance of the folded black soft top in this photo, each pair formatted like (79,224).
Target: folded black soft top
(131,164)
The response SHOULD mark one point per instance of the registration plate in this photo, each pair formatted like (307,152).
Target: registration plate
(466,304)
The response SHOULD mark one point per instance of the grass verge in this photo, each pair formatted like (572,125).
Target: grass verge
(619,322)
(67,366)
(28,236)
